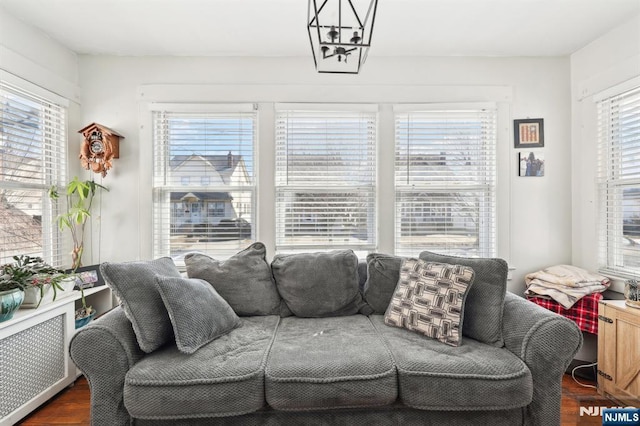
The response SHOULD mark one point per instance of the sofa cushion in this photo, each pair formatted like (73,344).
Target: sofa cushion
(485,303)
(472,376)
(319,284)
(325,363)
(198,314)
(429,299)
(134,284)
(244,280)
(223,378)
(383,272)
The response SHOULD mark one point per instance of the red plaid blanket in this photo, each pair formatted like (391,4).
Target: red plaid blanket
(584,312)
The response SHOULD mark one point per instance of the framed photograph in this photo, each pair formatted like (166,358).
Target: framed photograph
(88,276)
(531,163)
(528,133)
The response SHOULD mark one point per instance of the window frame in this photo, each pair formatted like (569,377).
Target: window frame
(369,191)
(162,188)
(54,245)
(487,228)
(611,180)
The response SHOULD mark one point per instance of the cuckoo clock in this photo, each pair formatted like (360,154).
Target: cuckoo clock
(99,147)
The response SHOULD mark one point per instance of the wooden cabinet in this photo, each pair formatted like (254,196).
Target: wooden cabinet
(34,354)
(619,352)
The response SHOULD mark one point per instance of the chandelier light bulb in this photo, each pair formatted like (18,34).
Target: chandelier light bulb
(333,34)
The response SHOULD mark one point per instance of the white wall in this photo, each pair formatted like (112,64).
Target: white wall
(536,233)
(608,61)
(33,57)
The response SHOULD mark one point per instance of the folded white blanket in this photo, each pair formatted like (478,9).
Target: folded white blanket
(566,284)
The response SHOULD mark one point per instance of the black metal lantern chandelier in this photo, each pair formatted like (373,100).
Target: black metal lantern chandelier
(340,33)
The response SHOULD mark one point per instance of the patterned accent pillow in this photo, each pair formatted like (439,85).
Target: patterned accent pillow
(429,299)
(484,307)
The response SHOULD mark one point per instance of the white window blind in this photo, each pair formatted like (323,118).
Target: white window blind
(619,182)
(204,181)
(32,159)
(325,179)
(445,173)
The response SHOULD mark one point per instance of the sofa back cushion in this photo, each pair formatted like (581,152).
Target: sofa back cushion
(319,284)
(485,301)
(383,271)
(134,284)
(244,280)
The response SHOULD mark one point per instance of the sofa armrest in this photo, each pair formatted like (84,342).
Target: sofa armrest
(546,342)
(105,350)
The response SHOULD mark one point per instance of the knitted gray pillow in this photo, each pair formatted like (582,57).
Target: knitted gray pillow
(198,314)
(134,284)
(244,280)
(383,272)
(430,298)
(485,302)
(319,284)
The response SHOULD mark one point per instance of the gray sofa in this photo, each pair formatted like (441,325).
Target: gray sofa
(307,361)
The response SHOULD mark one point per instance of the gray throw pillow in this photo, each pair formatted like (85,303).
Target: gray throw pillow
(485,302)
(319,284)
(134,284)
(198,314)
(383,272)
(430,299)
(244,280)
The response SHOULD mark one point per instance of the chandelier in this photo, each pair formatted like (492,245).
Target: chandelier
(340,33)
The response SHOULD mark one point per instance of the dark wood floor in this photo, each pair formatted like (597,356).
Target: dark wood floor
(71,406)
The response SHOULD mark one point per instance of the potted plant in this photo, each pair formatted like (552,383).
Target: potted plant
(85,313)
(34,279)
(11,294)
(79,197)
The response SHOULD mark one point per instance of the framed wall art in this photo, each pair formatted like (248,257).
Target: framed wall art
(530,163)
(528,133)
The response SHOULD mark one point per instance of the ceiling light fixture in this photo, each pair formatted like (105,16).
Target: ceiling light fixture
(340,37)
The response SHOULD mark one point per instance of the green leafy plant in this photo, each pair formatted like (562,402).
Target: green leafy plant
(79,197)
(27,272)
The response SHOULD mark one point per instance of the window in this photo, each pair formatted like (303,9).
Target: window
(325,178)
(619,182)
(445,170)
(216,209)
(32,159)
(209,212)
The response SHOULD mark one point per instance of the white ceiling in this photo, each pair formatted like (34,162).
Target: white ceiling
(278,27)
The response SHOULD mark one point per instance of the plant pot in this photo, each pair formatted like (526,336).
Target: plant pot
(632,293)
(32,295)
(81,322)
(10,301)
